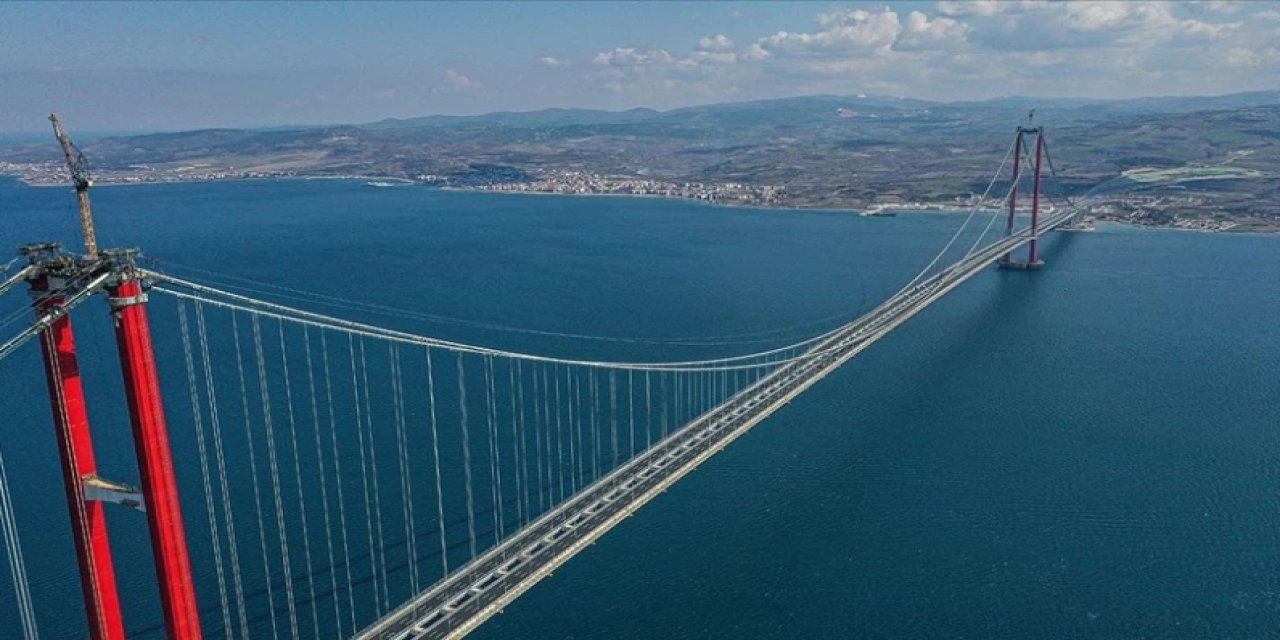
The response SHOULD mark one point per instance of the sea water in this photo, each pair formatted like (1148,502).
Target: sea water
(1086,451)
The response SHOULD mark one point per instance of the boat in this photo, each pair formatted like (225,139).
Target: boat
(877,212)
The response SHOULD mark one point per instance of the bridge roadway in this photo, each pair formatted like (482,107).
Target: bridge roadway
(466,598)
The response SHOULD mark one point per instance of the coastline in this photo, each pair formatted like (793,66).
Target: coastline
(655,196)
(905,208)
(143,183)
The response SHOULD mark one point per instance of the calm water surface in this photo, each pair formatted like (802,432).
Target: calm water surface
(1090,451)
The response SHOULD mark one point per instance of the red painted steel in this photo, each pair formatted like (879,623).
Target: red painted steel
(1033,257)
(75,448)
(155,462)
(1013,192)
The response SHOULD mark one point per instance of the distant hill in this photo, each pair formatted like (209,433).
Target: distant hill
(821,107)
(540,118)
(825,150)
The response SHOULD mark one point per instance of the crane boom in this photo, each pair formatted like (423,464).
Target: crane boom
(79,168)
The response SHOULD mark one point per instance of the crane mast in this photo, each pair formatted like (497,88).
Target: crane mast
(79,168)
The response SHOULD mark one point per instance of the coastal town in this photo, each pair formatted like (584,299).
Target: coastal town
(55,173)
(585,183)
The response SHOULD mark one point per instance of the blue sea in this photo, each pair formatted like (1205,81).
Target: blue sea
(1087,451)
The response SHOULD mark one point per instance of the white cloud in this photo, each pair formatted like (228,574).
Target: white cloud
(720,57)
(632,57)
(971,7)
(631,69)
(1241,57)
(1221,6)
(1038,25)
(551,61)
(848,30)
(923,33)
(659,60)
(755,52)
(459,81)
(717,43)
(975,49)
(1045,59)
(1188,29)
(1108,16)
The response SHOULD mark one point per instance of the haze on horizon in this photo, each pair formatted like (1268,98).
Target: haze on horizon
(169,66)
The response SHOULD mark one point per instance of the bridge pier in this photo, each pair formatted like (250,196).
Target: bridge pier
(1021,265)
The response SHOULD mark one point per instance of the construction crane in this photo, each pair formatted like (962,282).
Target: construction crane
(79,167)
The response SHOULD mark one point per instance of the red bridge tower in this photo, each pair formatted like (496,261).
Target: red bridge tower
(1033,260)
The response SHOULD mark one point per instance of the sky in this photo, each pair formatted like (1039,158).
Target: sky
(158,66)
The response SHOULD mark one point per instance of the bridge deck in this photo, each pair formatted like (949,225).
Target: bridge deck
(462,601)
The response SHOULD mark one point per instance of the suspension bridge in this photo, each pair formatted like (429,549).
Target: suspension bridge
(353,480)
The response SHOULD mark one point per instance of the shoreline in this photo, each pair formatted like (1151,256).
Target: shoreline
(655,196)
(144,183)
(906,208)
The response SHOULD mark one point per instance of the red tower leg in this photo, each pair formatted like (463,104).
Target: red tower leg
(75,448)
(1033,258)
(155,461)
(1013,191)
